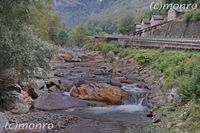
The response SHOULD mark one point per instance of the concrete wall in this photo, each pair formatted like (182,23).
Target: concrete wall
(177,29)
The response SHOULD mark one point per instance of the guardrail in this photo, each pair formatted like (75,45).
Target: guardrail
(164,43)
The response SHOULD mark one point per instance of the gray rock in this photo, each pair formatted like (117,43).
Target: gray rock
(30,131)
(3,121)
(21,102)
(38,84)
(100,72)
(121,79)
(142,85)
(172,95)
(57,101)
(36,89)
(66,85)
(115,82)
(21,108)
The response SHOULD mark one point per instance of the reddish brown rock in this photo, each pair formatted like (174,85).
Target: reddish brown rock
(92,58)
(63,56)
(100,92)
(52,81)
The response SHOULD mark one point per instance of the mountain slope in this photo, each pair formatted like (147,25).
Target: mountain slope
(77,11)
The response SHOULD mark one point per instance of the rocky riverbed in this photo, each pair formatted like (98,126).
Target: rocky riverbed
(84,94)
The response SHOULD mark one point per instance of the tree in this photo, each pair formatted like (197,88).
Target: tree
(44,22)
(78,36)
(126,25)
(20,49)
(96,27)
(63,37)
(109,27)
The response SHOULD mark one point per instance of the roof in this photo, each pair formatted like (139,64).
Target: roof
(179,10)
(146,20)
(157,17)
(137,23)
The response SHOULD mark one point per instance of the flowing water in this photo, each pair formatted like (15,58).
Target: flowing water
(126,118)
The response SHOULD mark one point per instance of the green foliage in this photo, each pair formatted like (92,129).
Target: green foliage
(78,36)
(63,37)
(4,102)
(96,27)
(144,58)
(126,25)
(20,48)
(185,88)
(16,10)
(110,56)
(196,80)
(24,51)
(44,22)
(192,16)
(107,47)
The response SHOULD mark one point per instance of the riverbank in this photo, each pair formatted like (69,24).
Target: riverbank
(85,90)
(173,76)
(165,75)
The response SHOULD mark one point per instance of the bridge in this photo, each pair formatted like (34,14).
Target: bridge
(168,43)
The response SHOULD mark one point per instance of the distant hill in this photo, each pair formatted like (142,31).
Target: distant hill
(77,11)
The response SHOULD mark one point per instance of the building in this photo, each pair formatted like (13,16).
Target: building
(138,27)
(156,19)
(175,13)
(145,23)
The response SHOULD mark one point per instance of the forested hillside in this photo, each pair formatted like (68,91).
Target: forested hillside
(76,11)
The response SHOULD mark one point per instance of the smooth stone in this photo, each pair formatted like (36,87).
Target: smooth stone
(57,101)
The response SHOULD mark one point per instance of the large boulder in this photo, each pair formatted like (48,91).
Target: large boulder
(3,121)
(63,56)
(22,103)
(92,58)
(99,92)
(57,101)
(36,87)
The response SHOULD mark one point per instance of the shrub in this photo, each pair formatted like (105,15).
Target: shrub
(24,52)
(192,16)
(196,80)
(169,83)
(107,47)
(144,58)
(110,56)
(185,88)
(4,102)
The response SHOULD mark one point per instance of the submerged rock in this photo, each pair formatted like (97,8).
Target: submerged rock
(99,92)
(57,101)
